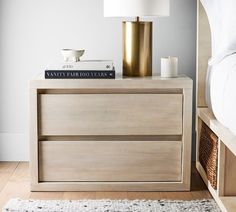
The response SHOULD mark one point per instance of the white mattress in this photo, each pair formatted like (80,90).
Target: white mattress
(221,91)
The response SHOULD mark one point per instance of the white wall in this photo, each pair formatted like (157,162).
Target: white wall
(32,32)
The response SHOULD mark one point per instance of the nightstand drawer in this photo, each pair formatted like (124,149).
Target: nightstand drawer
(139,161)
(110,114)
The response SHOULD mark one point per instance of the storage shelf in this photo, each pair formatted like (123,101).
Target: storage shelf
(225,135)
(224,195)
(226,203)
(229,203)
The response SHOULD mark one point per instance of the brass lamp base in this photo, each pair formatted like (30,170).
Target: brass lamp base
(137,49)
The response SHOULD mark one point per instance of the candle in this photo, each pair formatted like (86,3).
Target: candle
(169,67)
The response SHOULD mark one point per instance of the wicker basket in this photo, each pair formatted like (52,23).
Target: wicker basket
(208,154)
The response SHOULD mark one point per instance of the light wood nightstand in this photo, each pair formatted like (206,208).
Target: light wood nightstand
(111,135)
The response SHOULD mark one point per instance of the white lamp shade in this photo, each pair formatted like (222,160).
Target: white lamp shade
(136,8)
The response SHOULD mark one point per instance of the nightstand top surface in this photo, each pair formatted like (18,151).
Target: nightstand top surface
(154,82)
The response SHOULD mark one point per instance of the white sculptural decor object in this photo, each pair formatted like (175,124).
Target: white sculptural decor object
(72,55)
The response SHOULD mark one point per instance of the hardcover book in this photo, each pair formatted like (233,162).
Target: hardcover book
(86,65)
(54,74)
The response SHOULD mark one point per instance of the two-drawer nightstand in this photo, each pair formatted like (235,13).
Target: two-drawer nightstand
(111,135)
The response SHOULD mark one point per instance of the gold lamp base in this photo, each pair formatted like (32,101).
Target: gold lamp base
(137,49)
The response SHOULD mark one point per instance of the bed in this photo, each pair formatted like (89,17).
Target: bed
(221,90)
(216,103)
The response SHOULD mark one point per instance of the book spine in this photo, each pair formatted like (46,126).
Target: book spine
(79,74)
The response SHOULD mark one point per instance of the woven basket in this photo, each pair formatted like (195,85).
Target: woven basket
(208,154)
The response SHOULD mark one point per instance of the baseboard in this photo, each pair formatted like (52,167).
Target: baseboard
(14,147)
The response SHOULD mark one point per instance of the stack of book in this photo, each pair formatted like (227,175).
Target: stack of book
(93,69)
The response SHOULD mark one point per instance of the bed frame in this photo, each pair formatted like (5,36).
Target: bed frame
(225,195)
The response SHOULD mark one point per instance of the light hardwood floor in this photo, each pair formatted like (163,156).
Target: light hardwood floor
(14,182)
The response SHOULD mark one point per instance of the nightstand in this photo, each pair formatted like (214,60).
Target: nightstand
(111,135)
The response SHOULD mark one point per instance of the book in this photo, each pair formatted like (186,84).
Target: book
(86,65)
(98,74)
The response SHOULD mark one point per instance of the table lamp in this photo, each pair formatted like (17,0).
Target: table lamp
(137,35)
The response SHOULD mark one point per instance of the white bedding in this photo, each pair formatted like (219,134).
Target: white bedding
(221,75)
(222,91)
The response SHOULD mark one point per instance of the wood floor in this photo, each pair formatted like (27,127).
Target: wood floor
(14,183)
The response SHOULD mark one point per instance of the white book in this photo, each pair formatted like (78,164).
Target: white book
(85,65)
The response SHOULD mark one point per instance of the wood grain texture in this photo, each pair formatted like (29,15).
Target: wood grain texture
(33,134)
(203,53)
(227,152)
(187,137)
(226,164)
(109,186)
(230,174)
(229,203)
(88,195)
(110,161)
(198,134)
(226,136)
(6,171)
(213,192)
(221,168)
(47,195)
(143,83)
(21,189)
(21,173)
(111,114)
(8,167)
(126,112)
(17,186)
